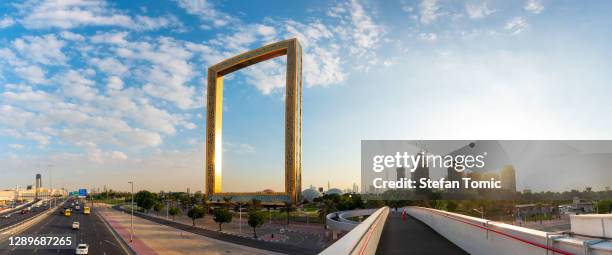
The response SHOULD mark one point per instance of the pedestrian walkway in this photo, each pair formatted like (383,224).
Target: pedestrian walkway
(410,236)
(153,238)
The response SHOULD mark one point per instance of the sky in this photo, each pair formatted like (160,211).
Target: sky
(96,93)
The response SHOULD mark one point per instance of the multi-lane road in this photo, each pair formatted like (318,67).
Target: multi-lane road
(17,217)
(93,231)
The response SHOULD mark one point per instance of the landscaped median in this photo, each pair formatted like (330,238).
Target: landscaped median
(153,238)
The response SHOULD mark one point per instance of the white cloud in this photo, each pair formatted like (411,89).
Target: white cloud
(77,86)
(32,73)
(14,117)
(429,11)
(114,83)
(77,13)
(111,37)
(117,155)
(16,146)
(534,6)
(478,10)
(242,148)
(428,36)
(6,21)
(109,65)
(41,139)
(207,12)
(42,49)
(156,119)
(516,25)
(357,27)
(72,36)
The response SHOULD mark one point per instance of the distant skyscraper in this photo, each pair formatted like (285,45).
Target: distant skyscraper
(38,184)
(508,178)
(401,173)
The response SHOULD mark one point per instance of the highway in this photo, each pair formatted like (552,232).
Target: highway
(413,237)
(93,232)
(17,217)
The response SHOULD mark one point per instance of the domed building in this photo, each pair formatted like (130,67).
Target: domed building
(334,191)
(310,194)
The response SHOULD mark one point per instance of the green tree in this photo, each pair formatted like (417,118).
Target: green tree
(174,211)
(288,208)
(145,199)
(222,215)
(158,207)
(196,212)
(451,206)
(255,204)
(374,203)
(256,219)
(148,203)
(327,206)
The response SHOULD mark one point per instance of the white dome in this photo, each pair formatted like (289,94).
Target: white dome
(334,191)
(310,194)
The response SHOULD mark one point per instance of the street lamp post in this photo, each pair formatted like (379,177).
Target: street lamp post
(240,215)
(132,216)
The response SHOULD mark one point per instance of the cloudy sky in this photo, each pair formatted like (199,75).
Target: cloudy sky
(99,93)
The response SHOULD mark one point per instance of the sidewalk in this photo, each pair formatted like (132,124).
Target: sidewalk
(153,238)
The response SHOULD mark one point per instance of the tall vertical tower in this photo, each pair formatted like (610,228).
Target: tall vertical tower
(37,185)
(508,178)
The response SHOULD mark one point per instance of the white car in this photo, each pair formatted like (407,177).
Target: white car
(82,249)
(6,216)
(76,225)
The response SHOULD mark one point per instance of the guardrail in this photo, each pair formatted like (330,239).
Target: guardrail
(17,208)
(480,236)
(363,238)
(25,224)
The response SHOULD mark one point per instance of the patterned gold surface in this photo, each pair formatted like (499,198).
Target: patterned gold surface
(293,117)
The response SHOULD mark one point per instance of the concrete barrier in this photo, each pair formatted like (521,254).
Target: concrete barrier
(23,225)
(479,236)
(363,238)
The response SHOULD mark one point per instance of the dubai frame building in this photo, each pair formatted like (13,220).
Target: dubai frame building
(293,121)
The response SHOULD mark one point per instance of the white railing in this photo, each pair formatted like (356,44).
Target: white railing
(363,238)
(479,236)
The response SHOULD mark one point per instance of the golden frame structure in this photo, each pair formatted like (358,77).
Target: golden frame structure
(293,117)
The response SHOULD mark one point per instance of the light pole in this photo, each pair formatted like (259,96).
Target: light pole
(240,215)
(132,216)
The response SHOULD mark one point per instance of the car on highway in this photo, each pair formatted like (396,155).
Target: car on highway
(6,216)
(77,207)
(67,212)
(82,249)
(76,225)
(24,211)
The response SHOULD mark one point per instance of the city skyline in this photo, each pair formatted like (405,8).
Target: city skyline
(101,93)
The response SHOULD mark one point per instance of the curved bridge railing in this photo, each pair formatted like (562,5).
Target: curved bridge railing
(363,237)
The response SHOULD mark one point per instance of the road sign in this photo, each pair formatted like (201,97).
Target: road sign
(82,192)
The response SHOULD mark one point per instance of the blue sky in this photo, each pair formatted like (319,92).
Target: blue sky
(101,92)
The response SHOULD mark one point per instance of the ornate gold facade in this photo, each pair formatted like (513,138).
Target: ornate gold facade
(293,117)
